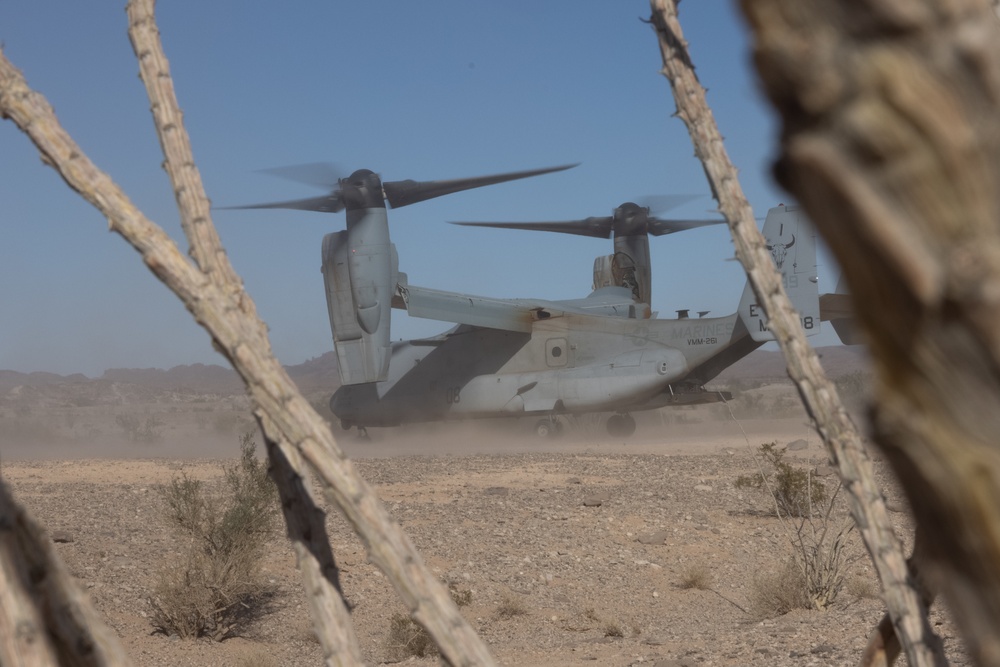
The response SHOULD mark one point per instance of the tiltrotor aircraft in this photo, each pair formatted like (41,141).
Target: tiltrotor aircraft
(604,353)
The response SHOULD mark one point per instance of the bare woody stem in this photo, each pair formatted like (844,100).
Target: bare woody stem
(218,302)
(818,394)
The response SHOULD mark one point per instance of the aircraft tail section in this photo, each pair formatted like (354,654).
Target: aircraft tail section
(838,310)
(791,240)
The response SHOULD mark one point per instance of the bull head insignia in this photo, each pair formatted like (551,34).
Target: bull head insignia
(779,251)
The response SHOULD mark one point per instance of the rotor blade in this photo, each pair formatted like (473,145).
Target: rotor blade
(597,227)
(659,226)
(325,204)
(404,193)
(661,203)
(321,174)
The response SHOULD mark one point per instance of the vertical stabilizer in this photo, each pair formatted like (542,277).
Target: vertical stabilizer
(791,240)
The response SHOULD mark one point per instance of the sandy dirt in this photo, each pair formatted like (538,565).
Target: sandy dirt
(499,515)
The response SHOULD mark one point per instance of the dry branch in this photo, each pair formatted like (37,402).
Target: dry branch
(818,394)
(216,299)
(891,143)
(45,619)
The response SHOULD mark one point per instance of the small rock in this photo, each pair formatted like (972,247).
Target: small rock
(797,445)
(574,480)
(62,537)
(824,471)
(496,491)
(597,499)
(659,537)
(823,649)
(703,487)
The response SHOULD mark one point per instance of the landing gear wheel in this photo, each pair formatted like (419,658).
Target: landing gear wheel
(545,428)
(621,425)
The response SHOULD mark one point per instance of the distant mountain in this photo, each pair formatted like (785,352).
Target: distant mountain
(317,375)
(11,379)
(195,377)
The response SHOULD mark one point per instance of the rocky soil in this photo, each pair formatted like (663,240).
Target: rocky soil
(577,551)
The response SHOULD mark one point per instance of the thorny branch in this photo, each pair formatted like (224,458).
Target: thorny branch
(818,394)
(216,299)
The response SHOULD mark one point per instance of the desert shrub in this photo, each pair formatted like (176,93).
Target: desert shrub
(511,606)
(823,552)
(217,585)
(139,430)
(613,629)
(407,638)
(461,597)
(824,557)
(696,576)
(775,593)
(794,491)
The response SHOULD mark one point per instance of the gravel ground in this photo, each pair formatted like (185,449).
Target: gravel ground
(577,552)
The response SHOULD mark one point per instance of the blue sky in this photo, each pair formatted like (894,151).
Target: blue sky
(420,90)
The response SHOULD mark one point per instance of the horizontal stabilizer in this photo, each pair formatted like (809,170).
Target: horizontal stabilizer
(835,307)
(838,309)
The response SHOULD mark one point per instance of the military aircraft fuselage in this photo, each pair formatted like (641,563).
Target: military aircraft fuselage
(571,363)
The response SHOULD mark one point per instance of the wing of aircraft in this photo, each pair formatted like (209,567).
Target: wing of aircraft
(511,314)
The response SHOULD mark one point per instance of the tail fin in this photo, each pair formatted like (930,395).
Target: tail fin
(792,241)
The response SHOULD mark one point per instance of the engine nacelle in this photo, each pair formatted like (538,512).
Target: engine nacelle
(628,267)
(360,270)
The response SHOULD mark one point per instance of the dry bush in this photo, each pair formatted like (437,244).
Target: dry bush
(511,606)
(406,638)
(821,535)
(613,629)
(217,585)
(795,491)
(461,597)
(775,593)
(696,576)
(824,557)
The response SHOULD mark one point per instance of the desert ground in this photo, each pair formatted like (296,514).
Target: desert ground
(577,550)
